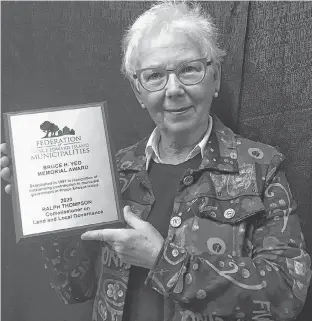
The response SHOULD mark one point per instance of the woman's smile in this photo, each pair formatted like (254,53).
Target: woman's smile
(179,111)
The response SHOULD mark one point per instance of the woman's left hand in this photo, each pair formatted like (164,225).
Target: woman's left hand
(138,245)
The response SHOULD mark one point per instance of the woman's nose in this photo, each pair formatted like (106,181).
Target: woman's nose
(174,87)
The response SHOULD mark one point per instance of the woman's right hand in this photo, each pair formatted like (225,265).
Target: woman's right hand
(5,168)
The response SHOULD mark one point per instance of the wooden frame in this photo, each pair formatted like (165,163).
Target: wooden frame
(65,183)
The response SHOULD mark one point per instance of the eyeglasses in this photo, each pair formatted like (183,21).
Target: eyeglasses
(189,73)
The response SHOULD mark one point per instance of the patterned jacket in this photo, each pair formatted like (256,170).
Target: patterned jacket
(234,251)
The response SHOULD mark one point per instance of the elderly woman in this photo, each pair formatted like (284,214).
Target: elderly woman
(213,233)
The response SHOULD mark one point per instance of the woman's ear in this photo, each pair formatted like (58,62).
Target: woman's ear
(136,90)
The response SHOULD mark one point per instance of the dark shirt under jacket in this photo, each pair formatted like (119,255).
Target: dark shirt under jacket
(142,302)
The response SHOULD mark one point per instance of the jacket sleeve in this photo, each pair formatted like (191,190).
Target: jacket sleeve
(270,283)
(70,265)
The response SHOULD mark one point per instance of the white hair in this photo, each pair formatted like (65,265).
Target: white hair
(171,16)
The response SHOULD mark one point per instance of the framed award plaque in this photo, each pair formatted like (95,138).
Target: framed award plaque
(65,179)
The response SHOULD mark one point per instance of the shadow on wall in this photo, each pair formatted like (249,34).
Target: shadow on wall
(222,108)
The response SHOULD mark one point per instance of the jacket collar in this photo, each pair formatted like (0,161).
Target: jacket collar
(220,153)
(132,158)
(221,149)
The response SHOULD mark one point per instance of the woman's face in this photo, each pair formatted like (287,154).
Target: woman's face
(177,109)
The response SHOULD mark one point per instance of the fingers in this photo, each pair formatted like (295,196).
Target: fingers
(132,220)
(6,174)
(3,148)
(8,189)
(5,171)
(109,235)
(5,162)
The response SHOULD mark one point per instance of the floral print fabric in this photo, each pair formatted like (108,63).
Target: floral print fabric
(234,251)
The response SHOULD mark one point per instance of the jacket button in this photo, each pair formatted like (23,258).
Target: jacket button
(175,221)
(229,213)
(233,155)
(188,180)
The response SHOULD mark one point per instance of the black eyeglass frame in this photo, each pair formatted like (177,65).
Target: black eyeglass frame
(170,71)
